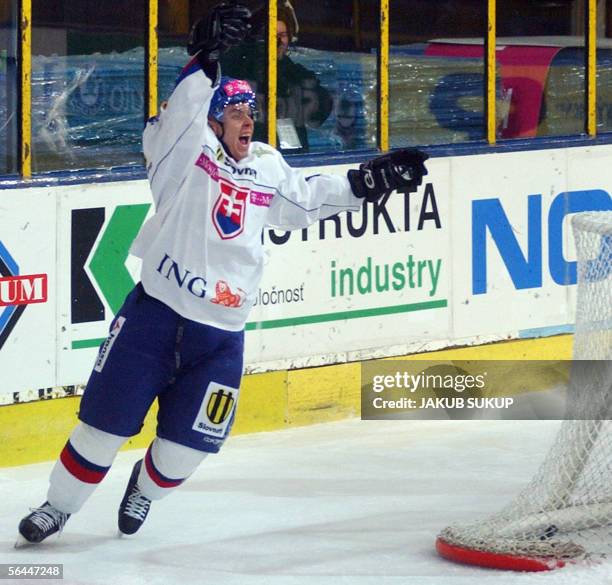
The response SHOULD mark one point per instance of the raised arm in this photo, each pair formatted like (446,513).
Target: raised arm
(168,138)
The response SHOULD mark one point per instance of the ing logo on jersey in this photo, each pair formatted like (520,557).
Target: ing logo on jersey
(219,406)
(229,211)
(225,297)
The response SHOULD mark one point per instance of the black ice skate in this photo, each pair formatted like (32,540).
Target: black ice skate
(41,523)
(134,507)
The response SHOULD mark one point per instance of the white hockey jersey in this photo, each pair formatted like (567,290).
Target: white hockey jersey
(202,251)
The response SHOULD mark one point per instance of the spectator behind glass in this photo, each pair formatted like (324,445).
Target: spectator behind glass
(301,100)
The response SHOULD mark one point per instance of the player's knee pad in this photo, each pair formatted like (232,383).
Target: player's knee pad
(83,464)
(166,466)
(95,445)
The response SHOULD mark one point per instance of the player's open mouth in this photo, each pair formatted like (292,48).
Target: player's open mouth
(244,140)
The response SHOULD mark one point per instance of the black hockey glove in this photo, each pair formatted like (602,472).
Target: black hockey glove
(227,25)
(403,170)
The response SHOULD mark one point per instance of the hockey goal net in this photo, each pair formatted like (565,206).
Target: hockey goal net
(565,513)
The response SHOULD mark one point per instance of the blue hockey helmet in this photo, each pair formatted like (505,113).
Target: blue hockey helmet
(231,91)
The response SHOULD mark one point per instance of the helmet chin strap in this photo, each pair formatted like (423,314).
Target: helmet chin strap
(225,147)
(222,131)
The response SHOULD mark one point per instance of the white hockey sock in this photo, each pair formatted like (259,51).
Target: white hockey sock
(82,465)
(166,466)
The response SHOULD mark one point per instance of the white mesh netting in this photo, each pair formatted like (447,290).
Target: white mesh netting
(566,510)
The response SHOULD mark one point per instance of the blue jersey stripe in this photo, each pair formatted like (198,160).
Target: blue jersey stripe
(192,67)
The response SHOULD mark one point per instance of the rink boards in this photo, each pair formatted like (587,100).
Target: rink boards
(37,430)
(483,252)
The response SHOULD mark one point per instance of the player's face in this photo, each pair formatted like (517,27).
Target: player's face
(238,129)
(282,39)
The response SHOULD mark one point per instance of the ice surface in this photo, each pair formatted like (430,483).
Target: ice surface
(351,502)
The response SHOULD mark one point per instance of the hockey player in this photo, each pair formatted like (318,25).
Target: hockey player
(179,335)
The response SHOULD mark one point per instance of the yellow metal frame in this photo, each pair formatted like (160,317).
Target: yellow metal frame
(272,70)
(152,53)
(383,78)
(490,67)
(152,50)
(25,86)
(591,66)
